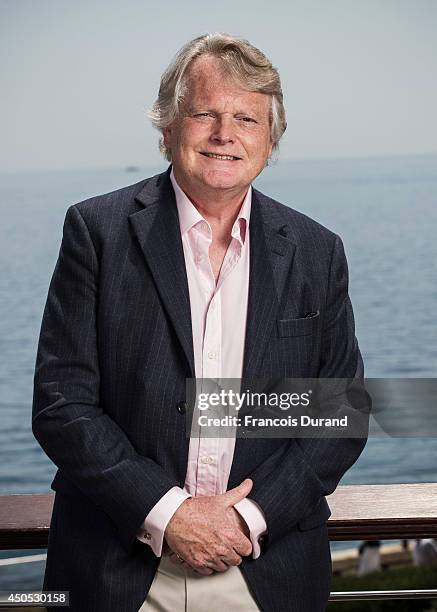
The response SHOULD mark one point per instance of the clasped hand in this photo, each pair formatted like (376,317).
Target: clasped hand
(208,534)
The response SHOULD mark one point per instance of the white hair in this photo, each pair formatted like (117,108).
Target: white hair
(240,60)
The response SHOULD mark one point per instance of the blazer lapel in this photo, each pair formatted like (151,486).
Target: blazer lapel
(157,228)
(271,256)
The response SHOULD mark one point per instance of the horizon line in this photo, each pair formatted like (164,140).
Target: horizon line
(141,166)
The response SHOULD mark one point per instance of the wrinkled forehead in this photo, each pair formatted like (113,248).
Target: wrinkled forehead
(208,81)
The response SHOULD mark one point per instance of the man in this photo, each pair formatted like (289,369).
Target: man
(192,273)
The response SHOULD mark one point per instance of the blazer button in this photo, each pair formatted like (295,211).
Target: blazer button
(181,407)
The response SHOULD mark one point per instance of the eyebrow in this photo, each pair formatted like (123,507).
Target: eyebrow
(201,109)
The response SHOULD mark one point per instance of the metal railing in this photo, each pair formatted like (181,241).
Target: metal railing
(359,512)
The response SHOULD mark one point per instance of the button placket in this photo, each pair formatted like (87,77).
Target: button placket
(208,306)
(206,471)
(212,335)
(208,447)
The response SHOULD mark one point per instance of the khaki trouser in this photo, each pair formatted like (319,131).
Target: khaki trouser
(176,589)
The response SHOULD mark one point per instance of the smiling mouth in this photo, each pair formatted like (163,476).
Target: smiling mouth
(223,157)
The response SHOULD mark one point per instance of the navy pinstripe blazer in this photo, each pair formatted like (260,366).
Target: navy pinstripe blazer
(114,353)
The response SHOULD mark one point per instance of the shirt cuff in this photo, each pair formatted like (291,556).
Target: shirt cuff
(152,530)
(254,517)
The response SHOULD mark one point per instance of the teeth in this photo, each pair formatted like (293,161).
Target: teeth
(215,156)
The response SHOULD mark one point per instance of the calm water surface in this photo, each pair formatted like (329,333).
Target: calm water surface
(384,209)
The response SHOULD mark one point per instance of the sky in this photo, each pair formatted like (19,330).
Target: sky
(359,76)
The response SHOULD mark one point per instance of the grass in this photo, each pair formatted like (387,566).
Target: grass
(388,580)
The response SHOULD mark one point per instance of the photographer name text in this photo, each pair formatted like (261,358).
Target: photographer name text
(252,421)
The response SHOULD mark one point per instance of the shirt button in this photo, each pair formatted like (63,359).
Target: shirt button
(212,355)
(148,535)
(207,460)
(181,407)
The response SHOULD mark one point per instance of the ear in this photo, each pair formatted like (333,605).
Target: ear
(166,136)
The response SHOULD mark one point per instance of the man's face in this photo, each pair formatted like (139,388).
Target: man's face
(221,141)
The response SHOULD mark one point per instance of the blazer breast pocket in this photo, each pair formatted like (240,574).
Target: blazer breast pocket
(303,326)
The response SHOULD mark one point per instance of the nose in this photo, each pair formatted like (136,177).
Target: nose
(223,130)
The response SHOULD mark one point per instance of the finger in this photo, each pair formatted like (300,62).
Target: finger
(218,565)
(205,571)
(239,521)
(226,553)
(232,558)
(197,566)
(181,563)
(176,560)
(242,545)
(233,496)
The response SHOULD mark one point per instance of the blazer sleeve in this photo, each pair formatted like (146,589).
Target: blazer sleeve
(89,447)
(290,484)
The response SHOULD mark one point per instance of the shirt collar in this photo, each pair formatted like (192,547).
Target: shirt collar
(189,216)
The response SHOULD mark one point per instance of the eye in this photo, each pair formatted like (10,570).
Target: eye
(247,119)
(203,115)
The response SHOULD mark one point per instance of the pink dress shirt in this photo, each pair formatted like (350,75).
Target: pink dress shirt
(218,317)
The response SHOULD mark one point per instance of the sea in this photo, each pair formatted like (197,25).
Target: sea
(385,210)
